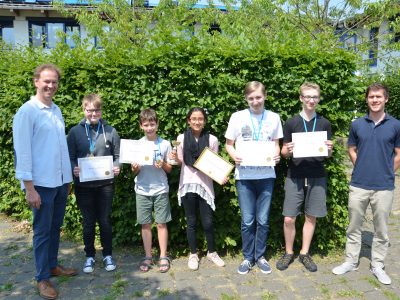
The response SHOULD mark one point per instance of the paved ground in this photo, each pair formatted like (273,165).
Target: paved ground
(209,282)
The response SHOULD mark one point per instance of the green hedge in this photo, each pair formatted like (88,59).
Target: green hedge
(172,80)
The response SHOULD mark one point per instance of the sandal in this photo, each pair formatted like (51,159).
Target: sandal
(164,268)
(145,266)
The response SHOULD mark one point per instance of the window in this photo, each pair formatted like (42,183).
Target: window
(46,33)
(7,31)
(373,51)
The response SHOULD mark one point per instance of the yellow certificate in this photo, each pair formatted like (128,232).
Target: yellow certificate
(309,144)
(95,168)
(256,153)
(213,165)
(141,152)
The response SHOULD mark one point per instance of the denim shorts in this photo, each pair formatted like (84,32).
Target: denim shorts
(144,209)
(313,196)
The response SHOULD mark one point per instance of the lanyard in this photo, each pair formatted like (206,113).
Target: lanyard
(256,135)
(92,143)
(305,125)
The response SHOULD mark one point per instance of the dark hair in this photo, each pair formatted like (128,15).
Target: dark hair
(194,109)
(52,67)
(375,87)
(148,115)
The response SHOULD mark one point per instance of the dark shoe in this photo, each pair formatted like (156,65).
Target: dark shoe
(284,262)
(61,271)
(307,261)
(146,264)
(47,290)
(164,267)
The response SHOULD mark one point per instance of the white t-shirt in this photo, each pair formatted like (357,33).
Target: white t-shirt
(152,181)
(244,126)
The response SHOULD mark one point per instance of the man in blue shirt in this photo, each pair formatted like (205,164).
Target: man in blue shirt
(43,167)
(374,149)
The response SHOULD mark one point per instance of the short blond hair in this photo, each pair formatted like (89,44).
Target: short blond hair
(309,85)
(253,86)
(94,99)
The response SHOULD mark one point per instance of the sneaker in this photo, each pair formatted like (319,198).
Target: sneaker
(381,275)
(264,265)
(214,257)
(109,263)
(245,267)
(88,267)
(284,262)
(344,268)
(193,262)
(307,261)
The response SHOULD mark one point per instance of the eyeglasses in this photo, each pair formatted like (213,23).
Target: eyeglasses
(90,111)
(197,119)
(308,98)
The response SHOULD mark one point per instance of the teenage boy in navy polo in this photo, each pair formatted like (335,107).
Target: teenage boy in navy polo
(306,179)
(374,149)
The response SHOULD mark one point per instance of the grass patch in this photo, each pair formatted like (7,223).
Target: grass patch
(163,293)
(350,293)
(13,247)
(269,296)
(62,279)
(229,297)
(373,281)
(138,294)
(325,291)
(6,287)
(390,295)
(117,289)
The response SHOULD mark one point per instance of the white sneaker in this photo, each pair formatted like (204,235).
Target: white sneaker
(88,267)
(214,257)
(193,262)
(344,268)
(109,264)
(381,275)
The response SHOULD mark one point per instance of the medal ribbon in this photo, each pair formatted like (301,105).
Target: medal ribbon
(256,135)
(305,125)
(92,143)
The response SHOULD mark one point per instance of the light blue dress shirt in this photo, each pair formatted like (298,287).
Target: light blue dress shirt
(40,145)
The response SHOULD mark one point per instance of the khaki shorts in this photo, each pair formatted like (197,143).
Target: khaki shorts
(144,209)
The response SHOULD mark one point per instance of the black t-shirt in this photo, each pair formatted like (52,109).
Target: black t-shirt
(307,167)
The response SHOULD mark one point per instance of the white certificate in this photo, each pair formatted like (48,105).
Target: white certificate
(256,153)
(141,152)
(95,168)
(213,165)
(309,144)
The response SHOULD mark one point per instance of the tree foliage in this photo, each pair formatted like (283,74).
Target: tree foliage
(169,59)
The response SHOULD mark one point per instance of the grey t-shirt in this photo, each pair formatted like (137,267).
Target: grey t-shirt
(153,181)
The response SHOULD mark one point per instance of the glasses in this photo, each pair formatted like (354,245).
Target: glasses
(90,111)
(197,119)
(308,98)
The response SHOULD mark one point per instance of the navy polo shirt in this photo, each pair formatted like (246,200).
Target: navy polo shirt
(374,166)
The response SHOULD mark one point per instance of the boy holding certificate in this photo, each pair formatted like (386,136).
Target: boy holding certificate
(93,138)
(151,187)
(254,126)
(306,178)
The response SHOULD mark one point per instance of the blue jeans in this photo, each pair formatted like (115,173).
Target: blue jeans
(47,221)
(255,202)
(95,204)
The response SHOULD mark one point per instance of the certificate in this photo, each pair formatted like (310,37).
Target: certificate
(95,168)
(309,144)
(213,165)
(256,153)
(141,152)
